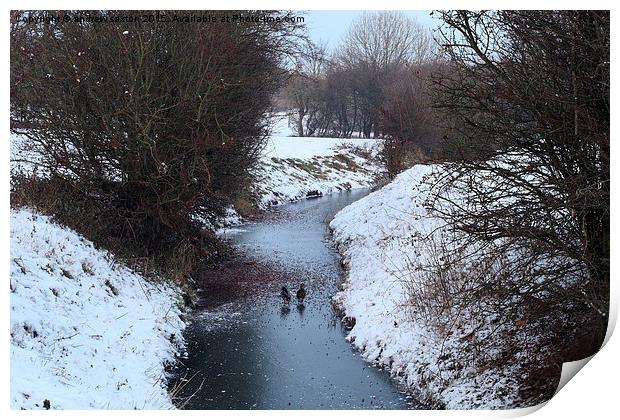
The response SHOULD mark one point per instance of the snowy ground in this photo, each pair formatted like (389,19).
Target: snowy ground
(86,332)
(381,238)
(295,167)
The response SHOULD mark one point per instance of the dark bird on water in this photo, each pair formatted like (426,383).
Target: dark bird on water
(285,294)
(301,293)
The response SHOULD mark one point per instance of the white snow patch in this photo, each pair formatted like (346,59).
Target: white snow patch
(86,331)
(293,167)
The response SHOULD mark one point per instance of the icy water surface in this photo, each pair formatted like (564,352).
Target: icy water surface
(254,352)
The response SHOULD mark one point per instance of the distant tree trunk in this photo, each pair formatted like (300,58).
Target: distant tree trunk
(300,122)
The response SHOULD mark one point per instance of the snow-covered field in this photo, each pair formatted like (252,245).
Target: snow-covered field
(86,332)
(294,167)
(382,238)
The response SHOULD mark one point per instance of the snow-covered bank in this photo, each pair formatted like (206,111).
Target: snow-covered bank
(86,332)
(295,167)
(382,240)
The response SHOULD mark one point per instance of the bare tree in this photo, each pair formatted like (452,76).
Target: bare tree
(528,105)
(382,40)
(302,88)
(411,125)
(378,44)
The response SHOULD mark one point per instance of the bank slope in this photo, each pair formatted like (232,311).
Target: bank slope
(380,240)
(86,332)
(292,168)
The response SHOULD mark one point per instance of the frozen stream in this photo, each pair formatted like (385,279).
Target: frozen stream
(248,350)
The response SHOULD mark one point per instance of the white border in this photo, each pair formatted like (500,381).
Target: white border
(593,394)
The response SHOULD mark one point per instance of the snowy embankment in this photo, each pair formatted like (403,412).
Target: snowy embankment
(292,168)
(86,332)
(382,238)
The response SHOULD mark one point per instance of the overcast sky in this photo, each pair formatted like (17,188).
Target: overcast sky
(329,26)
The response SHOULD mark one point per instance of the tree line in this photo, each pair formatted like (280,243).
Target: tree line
(375,84)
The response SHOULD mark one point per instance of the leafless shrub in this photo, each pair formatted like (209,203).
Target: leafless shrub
(454,284)
(527,106)
(412,128)
(145,125)
(479,305)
